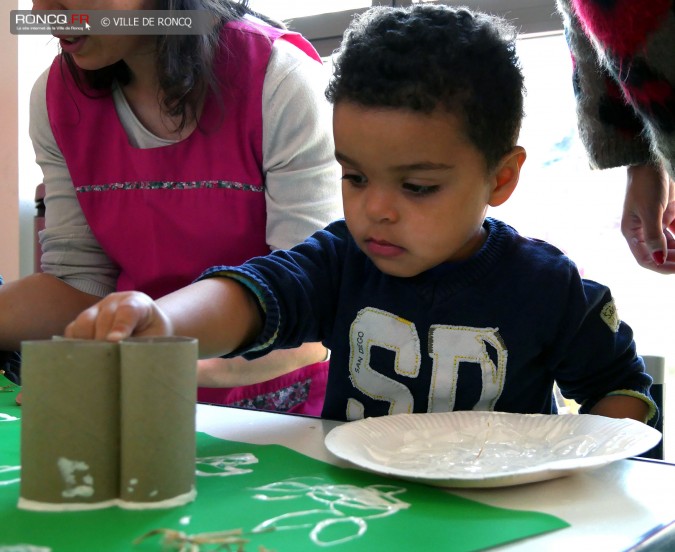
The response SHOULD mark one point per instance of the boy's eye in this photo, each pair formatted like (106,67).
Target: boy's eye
(355,179)
(419,190)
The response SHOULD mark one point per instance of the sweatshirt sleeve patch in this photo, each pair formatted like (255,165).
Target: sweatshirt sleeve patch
(610,316)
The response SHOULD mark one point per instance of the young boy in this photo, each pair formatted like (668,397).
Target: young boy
(426,304)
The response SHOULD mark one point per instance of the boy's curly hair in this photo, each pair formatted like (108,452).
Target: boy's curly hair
(426,57)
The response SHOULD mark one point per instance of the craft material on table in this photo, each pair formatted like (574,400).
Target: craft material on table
(279,499)
(95,431)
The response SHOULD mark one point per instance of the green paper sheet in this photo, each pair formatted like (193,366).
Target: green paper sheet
(295,502)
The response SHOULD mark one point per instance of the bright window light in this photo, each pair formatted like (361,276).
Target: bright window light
(559,199)
(289,9)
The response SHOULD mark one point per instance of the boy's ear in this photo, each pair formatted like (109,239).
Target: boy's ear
(506,175)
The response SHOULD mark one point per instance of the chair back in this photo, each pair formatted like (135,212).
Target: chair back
(655,366)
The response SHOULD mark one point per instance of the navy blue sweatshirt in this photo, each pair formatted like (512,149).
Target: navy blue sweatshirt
(492,332)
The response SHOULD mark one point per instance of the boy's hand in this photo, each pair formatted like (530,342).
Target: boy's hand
(120,315)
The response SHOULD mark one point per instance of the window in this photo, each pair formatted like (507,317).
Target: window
(561,200)
(290,9)
(324,22)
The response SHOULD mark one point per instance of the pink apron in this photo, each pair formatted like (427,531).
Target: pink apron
(164,215)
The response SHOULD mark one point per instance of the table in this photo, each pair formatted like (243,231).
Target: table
(628,505)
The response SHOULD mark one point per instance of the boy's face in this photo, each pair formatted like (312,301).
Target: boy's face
(415,191)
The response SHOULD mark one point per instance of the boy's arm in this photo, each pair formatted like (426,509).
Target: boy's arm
(221,313)
(596,360)
(622,406)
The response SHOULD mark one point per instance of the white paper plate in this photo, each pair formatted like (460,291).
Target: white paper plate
(487,449)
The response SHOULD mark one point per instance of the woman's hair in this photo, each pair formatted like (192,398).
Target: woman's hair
(184,62)
(427,57)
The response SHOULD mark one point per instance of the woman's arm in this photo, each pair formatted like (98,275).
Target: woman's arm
(302,178)
(237,371)
(69,249)
(38,306)
(76,272)
(609,128)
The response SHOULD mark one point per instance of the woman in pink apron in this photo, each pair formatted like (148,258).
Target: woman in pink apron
(164,155)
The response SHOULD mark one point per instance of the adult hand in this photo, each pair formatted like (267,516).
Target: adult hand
(120,315)
(649,217)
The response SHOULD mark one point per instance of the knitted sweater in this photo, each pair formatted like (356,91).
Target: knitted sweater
(624,79)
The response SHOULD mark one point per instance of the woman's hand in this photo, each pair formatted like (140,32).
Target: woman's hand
(649,217)
(120,315)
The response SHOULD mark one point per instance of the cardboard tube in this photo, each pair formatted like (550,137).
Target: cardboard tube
(158,398)
(70,425)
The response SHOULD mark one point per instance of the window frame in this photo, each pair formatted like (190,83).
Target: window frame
(325,31)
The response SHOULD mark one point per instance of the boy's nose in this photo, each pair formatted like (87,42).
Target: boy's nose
(380,205)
